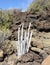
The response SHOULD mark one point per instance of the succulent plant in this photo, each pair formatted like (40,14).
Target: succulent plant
(24,39)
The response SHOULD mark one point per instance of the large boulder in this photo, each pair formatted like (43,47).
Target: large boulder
(10,60)
(29,63)
(46,61)
(1,55)
(9,47)
(30,57)
(41,39)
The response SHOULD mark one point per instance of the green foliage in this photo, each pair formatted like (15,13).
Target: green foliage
(7,17)
(0,13)
(4,23)
(39,5)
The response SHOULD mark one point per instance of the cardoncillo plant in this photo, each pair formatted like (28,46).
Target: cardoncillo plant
(24,39)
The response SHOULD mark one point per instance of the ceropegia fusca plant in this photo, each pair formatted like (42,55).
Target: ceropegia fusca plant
(24,39)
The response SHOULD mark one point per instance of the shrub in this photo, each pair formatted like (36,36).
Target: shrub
(39,5)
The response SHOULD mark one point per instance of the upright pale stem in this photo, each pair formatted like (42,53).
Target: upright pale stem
(28,36)
(22,32)
(19,42)
(29,30)
(30,40)
(18,35)
(22,38)
(25,39)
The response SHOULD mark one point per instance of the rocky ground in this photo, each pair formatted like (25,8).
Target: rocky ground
(40,44)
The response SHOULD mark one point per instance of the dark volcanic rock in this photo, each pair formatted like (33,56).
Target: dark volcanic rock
(36,63)
(29,63)
(40,21)
(29,57)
